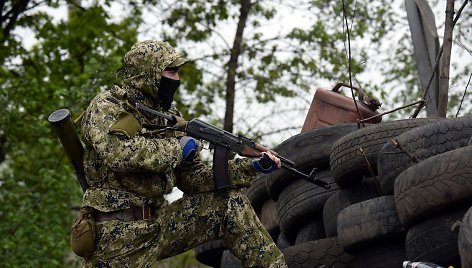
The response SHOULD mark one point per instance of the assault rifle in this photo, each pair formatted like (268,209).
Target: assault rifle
(223,142)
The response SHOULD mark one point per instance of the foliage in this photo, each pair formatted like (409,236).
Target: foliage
(66,68)
(273,65)
(77,57)
(401,75)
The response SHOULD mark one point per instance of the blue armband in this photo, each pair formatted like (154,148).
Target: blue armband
(189,147)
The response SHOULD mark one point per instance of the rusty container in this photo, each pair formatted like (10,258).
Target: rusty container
(329,107)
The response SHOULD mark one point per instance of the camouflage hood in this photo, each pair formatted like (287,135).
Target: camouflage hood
(145,62)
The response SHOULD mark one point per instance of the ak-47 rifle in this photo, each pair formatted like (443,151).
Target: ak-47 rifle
(223,142)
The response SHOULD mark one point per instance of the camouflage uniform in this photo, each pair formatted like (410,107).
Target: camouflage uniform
(128,164)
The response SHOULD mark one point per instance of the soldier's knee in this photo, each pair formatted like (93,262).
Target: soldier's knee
(239,198)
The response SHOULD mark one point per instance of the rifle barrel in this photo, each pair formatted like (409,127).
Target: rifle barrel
(286,161)
(311,178)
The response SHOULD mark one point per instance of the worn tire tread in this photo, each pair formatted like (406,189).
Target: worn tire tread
(421,142)
(436,183)
(347,162)
(300,201)
(316,253)
(367,222)
(308,150)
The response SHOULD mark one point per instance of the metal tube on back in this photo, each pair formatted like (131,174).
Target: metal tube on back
(62,124)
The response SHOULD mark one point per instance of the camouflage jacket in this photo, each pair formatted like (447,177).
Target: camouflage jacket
(127,163)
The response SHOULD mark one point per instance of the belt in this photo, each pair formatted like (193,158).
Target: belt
(129,214)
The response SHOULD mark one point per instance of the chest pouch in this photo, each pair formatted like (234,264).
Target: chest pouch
(82,237)
(126,125)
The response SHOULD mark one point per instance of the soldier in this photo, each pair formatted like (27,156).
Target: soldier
(130,167)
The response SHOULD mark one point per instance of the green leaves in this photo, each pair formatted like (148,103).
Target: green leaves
(76,57)
(285,64)
(69,64)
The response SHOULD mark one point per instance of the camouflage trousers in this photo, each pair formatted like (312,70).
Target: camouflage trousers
(182,225)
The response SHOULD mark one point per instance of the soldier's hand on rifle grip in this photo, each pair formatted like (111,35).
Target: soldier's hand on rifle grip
(267,163)
(180,123)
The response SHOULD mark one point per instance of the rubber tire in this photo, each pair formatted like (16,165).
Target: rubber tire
(422,143)
(282,241)
(257,193)
(343,199)
(465,240)
(367,222)
(436,183)
(210,253)
(348,164)
(308,150)
(311,231)
(269,218)
(320,253)
(385,254)
(432,239)
(228,260)
(301,202)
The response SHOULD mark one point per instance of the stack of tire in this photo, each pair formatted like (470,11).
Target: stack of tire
(432,186)
(404,187)
(399,191)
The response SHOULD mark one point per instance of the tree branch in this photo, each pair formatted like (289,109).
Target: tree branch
(233,64)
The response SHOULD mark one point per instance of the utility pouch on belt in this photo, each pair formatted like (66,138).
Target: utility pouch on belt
(82,237)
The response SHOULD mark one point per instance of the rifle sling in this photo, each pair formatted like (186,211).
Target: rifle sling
(220,167)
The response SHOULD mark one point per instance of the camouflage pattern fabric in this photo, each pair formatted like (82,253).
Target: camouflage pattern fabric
(137,165)
(183,225)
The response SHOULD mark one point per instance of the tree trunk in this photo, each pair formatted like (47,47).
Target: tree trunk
(446,60)
(8,18)
(233,65)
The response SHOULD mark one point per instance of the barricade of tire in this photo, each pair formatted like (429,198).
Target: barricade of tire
(295,218)
(388,209)
(299,198)
(431,196)
(365,221)
(299,202)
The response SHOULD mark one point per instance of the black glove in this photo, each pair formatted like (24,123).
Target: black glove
(264,164)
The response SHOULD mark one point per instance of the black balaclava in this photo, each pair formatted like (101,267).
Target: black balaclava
(166,91)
